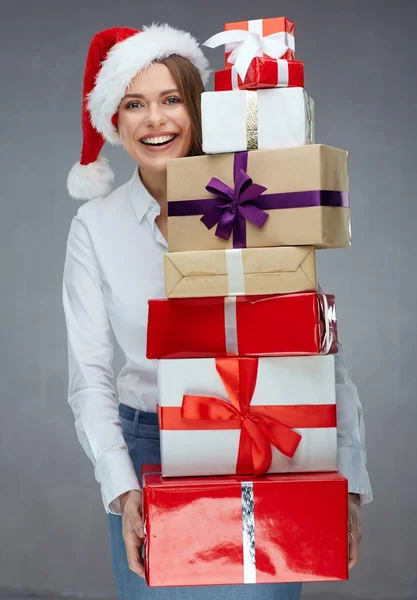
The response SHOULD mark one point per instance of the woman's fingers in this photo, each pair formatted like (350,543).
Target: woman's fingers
(134,554)
(355,534)
(353,549)
(136,524)
(133,532)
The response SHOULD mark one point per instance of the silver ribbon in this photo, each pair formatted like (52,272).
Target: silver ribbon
(310,118)
(248,531)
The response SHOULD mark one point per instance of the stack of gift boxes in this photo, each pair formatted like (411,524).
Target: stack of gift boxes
(249,490)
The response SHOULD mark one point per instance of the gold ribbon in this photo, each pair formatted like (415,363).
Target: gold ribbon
(310,120)
(251,120)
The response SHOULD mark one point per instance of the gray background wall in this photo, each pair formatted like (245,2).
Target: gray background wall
(361,61)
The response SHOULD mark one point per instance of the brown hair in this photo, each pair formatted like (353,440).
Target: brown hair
(190,87)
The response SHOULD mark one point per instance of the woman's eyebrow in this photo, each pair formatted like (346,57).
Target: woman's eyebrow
(164,93)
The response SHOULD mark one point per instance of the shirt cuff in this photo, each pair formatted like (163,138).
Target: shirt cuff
(116,474)
(352,465)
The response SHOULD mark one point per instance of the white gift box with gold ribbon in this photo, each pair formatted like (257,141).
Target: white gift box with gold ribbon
(238,120)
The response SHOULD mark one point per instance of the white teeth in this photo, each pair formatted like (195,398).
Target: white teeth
(158,140)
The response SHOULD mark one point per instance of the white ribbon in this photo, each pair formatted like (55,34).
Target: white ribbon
(246,45)
(230,325)
(235,272)
(235,80)
(282,75)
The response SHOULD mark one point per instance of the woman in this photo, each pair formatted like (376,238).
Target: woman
(142,90)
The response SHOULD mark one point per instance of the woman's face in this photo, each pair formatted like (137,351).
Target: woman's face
(153,122)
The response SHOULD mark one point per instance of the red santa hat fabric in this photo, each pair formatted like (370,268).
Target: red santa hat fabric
(114,58)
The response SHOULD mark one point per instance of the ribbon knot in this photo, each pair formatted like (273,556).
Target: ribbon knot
(236,205)
(258,431)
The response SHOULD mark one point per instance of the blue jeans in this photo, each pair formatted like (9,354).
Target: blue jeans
(141,433)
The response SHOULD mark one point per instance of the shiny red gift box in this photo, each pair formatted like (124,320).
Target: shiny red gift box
(262,73)
(235,530)
(279,325)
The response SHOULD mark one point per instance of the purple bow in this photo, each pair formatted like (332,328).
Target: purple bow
(236,205)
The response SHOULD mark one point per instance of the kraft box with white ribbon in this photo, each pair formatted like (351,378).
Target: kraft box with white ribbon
(247,416)
(278,325)
(237,530)
(240,272)
(234,121)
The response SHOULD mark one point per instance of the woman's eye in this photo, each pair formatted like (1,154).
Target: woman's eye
(172,100)
(133,105)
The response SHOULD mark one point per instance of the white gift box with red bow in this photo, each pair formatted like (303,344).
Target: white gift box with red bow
(247,415)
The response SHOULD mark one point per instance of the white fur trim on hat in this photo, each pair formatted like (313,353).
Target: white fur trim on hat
(126,59)
(86,182)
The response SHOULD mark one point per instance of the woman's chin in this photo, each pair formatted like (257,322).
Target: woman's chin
(158,160)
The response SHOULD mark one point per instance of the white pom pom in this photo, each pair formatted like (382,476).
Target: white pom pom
(86,182)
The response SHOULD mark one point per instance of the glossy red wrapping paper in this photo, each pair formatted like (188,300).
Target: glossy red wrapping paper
(234,530)
(279,325)
(262,73)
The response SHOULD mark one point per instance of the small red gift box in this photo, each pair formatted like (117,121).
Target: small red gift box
(279,325)
(235,530)
(262,73)
(266,29)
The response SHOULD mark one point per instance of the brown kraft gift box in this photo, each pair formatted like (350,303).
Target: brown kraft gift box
(235,272)
(313,178)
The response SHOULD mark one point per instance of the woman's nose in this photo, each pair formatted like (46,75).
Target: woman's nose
(156,116)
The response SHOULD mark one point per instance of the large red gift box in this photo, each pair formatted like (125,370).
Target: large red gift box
(262,73)
(235,530)
(278,325)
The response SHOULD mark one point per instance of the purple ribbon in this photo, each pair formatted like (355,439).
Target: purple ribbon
(231,207)
(236,205)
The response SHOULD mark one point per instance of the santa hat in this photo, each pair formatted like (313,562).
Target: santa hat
(114,58)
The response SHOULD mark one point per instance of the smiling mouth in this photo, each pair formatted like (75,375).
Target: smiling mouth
(158,140)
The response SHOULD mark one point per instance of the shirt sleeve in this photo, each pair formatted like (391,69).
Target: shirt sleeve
(351,450)
(91,393)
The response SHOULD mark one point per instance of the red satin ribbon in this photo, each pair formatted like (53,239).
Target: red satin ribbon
(260,426)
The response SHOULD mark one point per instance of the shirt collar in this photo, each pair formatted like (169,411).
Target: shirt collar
(145,205)
(142,201)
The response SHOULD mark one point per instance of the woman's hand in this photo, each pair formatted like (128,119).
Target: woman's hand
(355,534)
(133,533)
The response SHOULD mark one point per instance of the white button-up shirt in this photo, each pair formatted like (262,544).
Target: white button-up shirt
(113,266)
